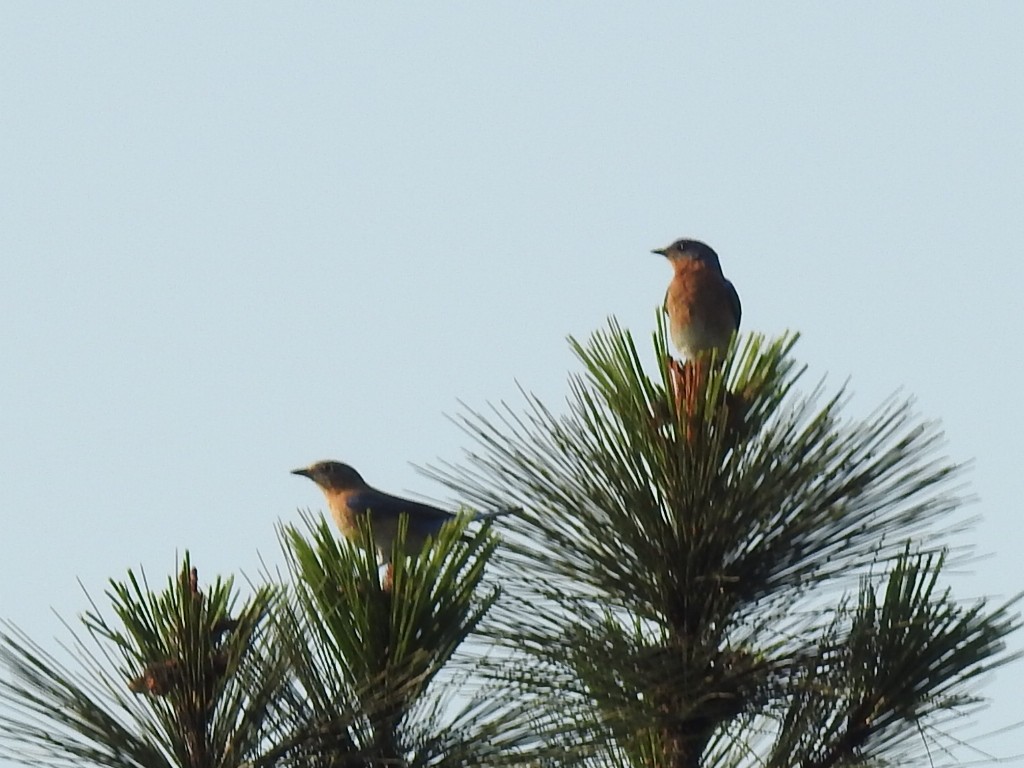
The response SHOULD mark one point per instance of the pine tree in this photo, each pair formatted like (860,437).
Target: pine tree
(376,669)
(709,569)
(181,677)
(712,569)
(328,668)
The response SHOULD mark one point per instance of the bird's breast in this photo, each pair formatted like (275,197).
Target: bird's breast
(700,310)
(342,514)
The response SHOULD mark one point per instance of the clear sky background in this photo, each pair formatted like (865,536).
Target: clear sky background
(240,237)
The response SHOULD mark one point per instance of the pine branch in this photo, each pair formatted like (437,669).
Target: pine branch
(680,536)
(364,655)
(180,681)
(905,659)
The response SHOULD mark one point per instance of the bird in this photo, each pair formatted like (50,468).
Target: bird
(702,305)
(350,498)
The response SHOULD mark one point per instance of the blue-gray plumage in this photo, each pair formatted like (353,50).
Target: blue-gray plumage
(350,499)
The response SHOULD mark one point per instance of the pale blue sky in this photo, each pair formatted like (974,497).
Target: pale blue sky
(236,238)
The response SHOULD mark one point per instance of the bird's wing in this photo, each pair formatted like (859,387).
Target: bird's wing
(384,504)
(734,298)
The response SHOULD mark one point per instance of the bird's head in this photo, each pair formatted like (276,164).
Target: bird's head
(690,250)
(332,475)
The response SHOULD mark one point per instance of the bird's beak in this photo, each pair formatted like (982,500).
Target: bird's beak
(660,251)
(304,472)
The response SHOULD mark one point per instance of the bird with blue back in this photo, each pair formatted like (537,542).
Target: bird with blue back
(350,499)
(704,312)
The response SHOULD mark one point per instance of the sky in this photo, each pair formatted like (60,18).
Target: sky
(238,238)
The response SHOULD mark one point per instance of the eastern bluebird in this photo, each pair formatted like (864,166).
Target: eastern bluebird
(703,307)
(349,498)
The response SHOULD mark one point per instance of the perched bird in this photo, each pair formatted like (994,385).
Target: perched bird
(350,498)
(703,307)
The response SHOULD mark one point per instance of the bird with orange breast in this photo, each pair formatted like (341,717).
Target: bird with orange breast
(351,499)
(702,305)
(703,311)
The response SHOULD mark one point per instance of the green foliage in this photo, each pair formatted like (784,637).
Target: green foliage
(186,680)
(369,658)
(709,569)
(668,582)
(898,659)
(364,655)
(396,638)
